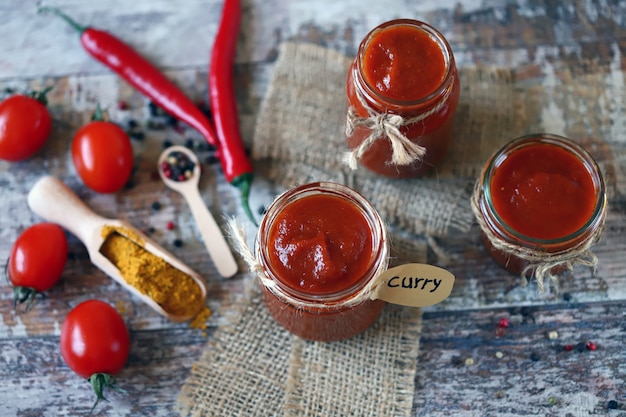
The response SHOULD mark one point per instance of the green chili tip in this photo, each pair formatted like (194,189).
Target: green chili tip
(244,182)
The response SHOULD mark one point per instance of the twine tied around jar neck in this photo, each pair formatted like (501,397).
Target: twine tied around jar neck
(384,125)
(540,263)
(238,238)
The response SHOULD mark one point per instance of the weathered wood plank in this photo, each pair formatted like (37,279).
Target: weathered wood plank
(535,375)
(38,383)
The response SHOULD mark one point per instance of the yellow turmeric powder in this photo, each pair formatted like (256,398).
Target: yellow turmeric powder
(175,291)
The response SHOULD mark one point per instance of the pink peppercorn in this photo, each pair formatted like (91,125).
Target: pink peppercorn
(568,347)
(504,323)
(591,346)
(170,225)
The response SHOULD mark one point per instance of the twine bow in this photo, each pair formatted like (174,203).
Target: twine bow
(404,151)
(384,125)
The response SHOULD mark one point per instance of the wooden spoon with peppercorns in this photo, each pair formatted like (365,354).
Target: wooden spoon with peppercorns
(180,170)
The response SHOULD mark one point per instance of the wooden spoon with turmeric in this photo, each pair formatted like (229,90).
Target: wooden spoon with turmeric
(132,259)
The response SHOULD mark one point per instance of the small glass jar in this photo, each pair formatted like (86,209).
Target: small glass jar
(319,247)
(425,96)
(541,204)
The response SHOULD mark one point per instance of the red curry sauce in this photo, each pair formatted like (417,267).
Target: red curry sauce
(404,63)
(320,244)
(543,191)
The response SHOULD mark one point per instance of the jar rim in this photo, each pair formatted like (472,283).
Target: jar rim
(597,215)
(379,252)
(442,90)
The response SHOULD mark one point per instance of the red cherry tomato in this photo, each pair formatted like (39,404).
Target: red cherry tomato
(95,344)
(37,260)
(103,156)
(94,339)
(25,125)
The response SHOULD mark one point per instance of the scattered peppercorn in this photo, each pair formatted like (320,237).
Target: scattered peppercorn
(612,405)
(590,345)
(456,361)
(170,225)
(205,147)
(580,347)
(132,124)
(534,356)
(567,297)
(204,108)
(553,335)
(469,362)
(155,110)
(154,124)
(568,348)
(262,210)
(150,230)
(167,143)
(178,243)
(189,143)
(137,135)
(156,206)
(504,322)
(171,120)
(122,105)
(212,159)
(552,401)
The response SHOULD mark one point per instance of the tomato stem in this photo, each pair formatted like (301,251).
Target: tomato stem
(41,96)
(98,115)
(98,382)
(21,294)
(24,294)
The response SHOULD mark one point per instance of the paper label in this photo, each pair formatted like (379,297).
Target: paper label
(414,285)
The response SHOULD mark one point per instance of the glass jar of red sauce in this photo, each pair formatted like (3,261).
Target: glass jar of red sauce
(404,77)
(319,247)
(541,204)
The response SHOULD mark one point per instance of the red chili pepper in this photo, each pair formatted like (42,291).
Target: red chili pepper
(222,98)
(146,78)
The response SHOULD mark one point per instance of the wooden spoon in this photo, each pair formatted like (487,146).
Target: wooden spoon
(54,201)
(211,234)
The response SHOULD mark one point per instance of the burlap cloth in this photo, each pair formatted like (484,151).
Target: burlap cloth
(252,367)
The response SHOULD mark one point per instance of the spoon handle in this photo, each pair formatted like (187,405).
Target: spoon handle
(212,236)
(53,200)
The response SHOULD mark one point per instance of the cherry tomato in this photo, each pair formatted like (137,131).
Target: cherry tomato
(94,339)
(37,260)
(95,344)
(103,156)
(25,125)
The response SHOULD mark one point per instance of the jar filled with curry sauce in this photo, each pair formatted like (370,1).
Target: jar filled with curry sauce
(319,247)
(541,204)
(403,90)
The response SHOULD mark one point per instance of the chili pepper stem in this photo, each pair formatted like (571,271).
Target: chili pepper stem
(79,28)
(244,183)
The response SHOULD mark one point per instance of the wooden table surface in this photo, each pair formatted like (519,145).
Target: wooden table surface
(464,369)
